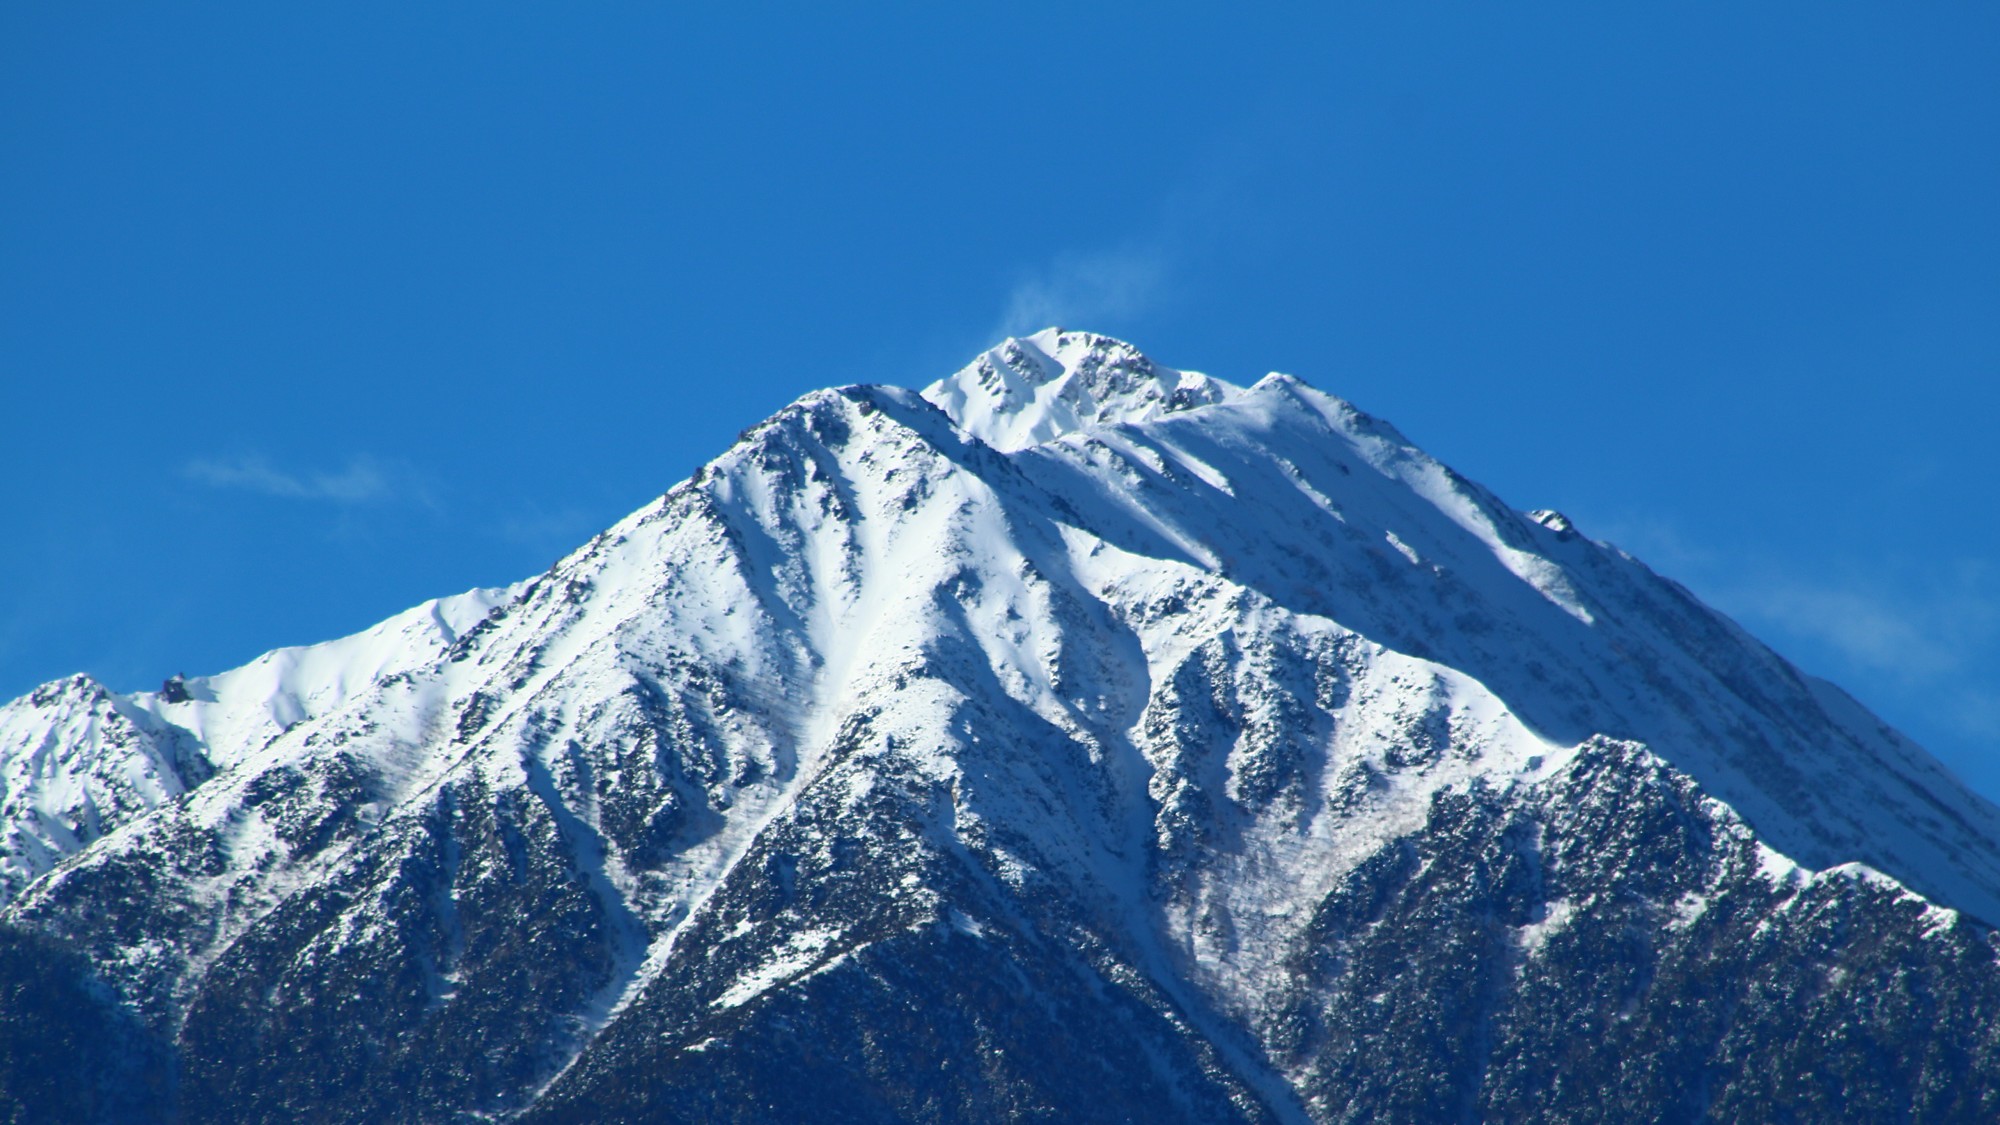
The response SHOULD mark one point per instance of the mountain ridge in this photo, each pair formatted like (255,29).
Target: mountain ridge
(1147,705)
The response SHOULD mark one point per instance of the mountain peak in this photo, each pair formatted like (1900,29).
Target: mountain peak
(1035,389)
(1216,739)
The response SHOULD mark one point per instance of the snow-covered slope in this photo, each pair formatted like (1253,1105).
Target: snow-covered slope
(1029,391)
(77,760)
(1333,515)
(1150,694)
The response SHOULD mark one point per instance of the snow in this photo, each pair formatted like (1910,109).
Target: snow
(1687,910)
(1403,549)
(1082,594)
(801,952)
(1032,390)
(1556,916)
(238,711)
(1777,869)
(964,923)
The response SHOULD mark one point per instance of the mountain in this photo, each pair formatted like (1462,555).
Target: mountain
(1077,739)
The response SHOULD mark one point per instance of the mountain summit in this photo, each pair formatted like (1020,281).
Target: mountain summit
(1030,391)
(1079,739)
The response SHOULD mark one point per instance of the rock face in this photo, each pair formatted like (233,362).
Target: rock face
(1078,740)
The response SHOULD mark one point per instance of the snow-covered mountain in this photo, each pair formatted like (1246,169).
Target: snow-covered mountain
(1077,739)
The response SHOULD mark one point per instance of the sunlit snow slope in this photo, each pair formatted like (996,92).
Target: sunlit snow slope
(1120,683)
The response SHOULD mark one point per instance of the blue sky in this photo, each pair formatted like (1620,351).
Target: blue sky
(310,312)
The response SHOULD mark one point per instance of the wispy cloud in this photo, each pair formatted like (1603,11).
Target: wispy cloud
(1080,290)
(364,480)
(1923,635)
(1906,634)
(528,522)
(1930,644)
(1211,208)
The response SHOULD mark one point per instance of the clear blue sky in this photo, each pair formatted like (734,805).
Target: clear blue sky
(309,312)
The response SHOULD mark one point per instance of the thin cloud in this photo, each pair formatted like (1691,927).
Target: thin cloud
(1079,290)
(1902,636)
(1657,543)
(1156,261)
(1975,712)
(363,481)
(533,525)
(1923,634)
(1922,624)
(1932,646)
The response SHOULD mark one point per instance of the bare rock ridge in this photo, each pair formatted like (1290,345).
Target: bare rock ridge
(1077,739)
